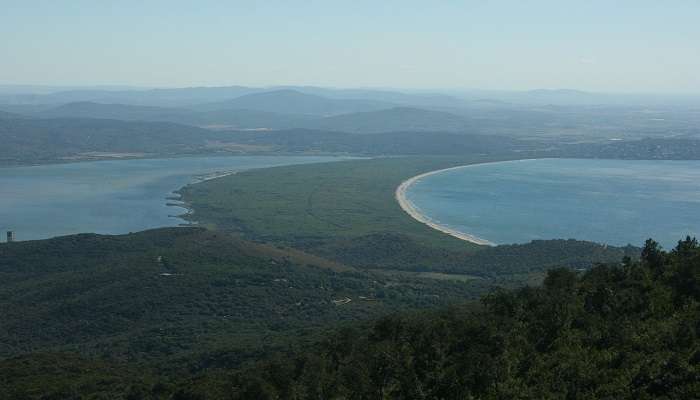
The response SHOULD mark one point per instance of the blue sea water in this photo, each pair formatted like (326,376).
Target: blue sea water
(616,202)
(109,197)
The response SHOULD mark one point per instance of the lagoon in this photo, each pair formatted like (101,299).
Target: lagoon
(110,197)
(615,202)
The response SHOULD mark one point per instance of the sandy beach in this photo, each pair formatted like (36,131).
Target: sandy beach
(415,213)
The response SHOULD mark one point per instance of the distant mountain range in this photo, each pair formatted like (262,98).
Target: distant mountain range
(282,109)
(393,119)
(189,97)
(192,96)
(242,113)
(295,102)
(535,114)
(45,140)
(221,118)
(155,97)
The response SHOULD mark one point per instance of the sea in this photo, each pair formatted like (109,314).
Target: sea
(615,202)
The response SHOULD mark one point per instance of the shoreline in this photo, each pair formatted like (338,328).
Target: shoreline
(187,206)
(414,212)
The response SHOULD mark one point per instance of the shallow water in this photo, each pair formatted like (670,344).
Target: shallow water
(607,201)
(109,197)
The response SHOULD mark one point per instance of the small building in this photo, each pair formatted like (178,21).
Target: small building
(10,236)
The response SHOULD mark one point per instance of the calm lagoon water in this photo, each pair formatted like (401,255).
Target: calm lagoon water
(108,197)
(607,201)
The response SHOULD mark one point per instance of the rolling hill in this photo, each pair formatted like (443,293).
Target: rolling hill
(295,102)
(416,99)
(392,120)
(124,112)
(386,143)
(164,97)
(186,97)
(46,140)
(624,331)
(275,110)
(41,140)
(185,294)
(223,119)
(174,314)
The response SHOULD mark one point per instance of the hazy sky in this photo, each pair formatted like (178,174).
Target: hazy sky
(612,45)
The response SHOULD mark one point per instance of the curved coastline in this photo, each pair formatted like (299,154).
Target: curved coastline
(411,209)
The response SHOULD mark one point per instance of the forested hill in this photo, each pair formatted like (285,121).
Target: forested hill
(28,140)
(396,119)
(628,331)
(169,302)
(228,118)
(35,140)
(387,143)
(168,319)
(51,140)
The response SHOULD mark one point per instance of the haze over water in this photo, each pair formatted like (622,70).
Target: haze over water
(108,197)
(615,202)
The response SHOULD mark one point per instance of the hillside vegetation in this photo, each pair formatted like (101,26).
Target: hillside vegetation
(186,294)
(394,119)
(36,140)
(51,140)
(387,143)
(629,331)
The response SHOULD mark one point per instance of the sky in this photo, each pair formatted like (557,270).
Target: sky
(604,46)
